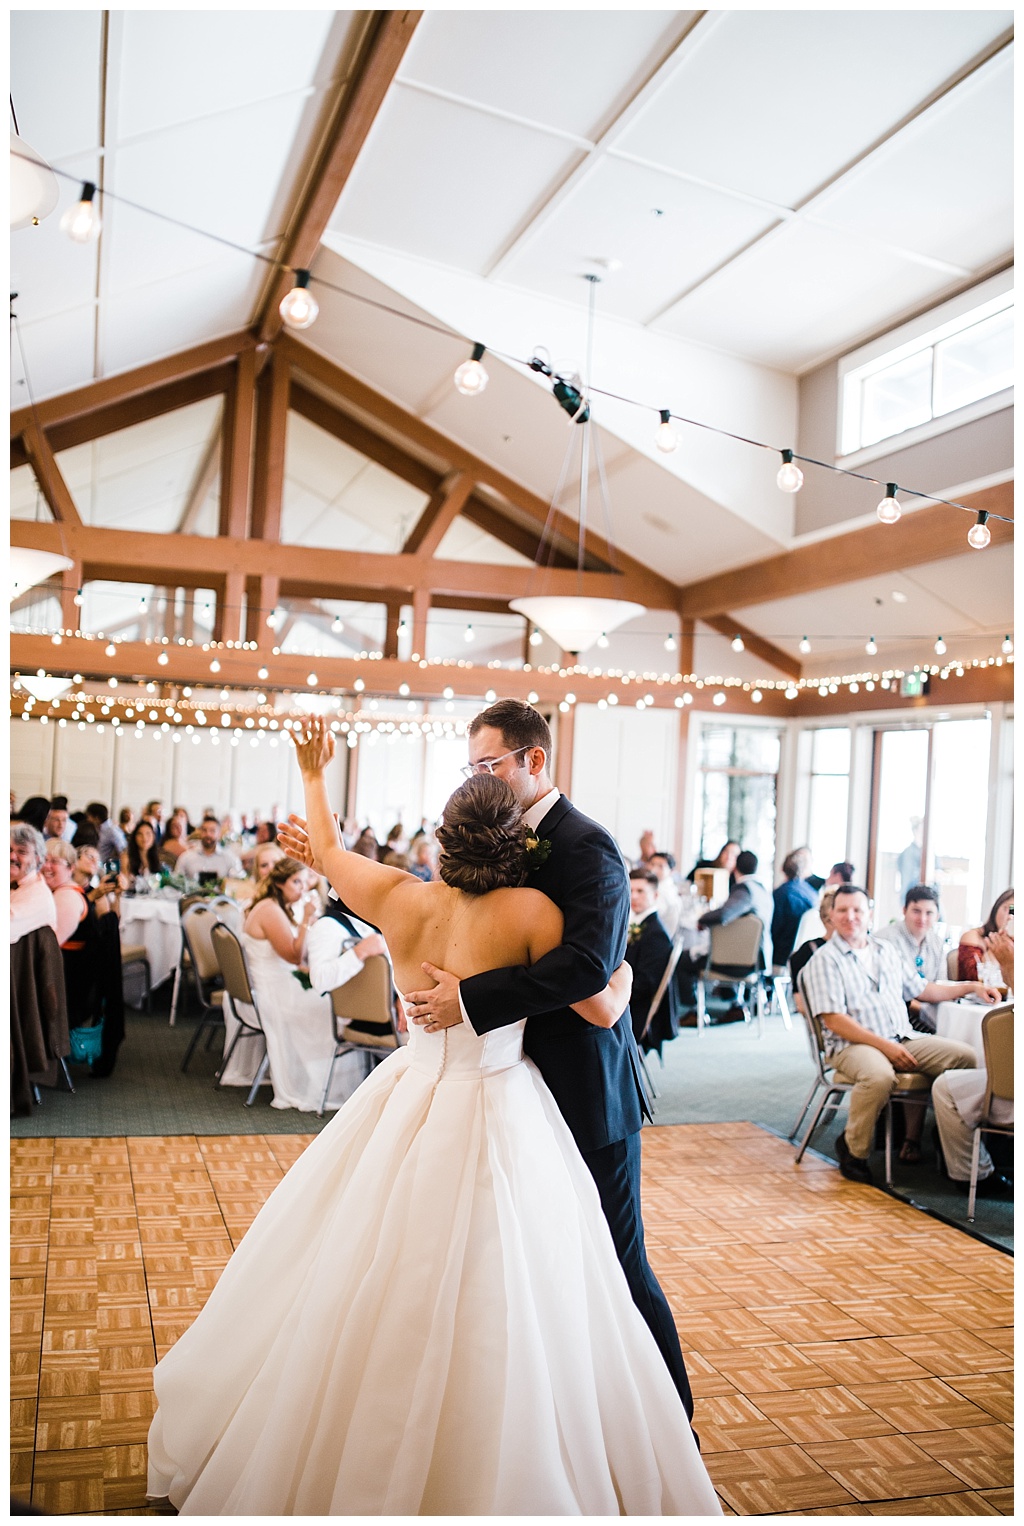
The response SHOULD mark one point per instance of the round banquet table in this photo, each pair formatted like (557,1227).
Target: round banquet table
(961,1020)
(153,920)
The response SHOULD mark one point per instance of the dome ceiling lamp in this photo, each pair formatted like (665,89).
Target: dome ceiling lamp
(577,622)
(27,568)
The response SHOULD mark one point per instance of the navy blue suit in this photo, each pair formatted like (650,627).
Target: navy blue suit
(593,1073)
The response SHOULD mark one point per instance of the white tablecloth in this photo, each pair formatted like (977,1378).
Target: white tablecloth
(155,922)
(961,1020)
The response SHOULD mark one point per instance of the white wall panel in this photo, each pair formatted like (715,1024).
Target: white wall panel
(259,787)
(31,759)
(624,771)
(142,770)
(202,774)
(390,784)
(83,765)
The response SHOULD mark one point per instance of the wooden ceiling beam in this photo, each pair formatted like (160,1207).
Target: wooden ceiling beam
(926,535)
(726,625)
(198,561)
(658,592)
(444,507)
(48,474)
(360,99)
(111,390)
(512,534)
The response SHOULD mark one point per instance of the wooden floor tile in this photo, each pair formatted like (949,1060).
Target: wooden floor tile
(68,1423)
(953,1353)
(863,1361)
(733,1424)
(125,1417)
(773,1479)
(982,1455)
(68,1483)
(924,1404)
(883,1466)
(992,1392)
(822,1414)
(124,1476)
(1000,1499)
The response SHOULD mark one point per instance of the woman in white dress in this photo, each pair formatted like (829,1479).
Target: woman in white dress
(296,1020)
(428,1316)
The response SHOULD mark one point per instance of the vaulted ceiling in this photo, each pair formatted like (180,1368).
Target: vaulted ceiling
(758,192)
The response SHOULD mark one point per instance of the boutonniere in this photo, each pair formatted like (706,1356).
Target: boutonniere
(302,976)
(635,932)
(538,850)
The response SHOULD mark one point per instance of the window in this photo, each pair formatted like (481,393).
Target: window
(736,791)
(828,806)
(959,357)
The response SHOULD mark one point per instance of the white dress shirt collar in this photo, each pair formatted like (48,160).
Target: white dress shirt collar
(539,809)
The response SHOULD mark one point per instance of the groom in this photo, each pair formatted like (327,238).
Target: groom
(592,1072)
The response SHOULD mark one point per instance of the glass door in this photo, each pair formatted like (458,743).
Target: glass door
(899,806)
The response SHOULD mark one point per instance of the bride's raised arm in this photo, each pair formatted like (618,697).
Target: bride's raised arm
(364,886)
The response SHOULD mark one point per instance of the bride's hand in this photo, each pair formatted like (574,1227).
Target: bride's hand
(314,745)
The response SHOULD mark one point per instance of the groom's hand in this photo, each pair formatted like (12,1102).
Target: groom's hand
(438,1008)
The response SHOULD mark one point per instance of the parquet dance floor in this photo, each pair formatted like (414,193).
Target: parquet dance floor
(850,1355)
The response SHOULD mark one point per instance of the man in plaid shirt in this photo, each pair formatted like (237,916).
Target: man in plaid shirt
(858,987)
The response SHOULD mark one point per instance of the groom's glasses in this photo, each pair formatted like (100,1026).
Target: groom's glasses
(488,765)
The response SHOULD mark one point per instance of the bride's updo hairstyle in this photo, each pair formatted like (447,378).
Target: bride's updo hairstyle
(482,837)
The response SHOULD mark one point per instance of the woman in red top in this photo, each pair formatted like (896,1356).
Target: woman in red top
(993,940)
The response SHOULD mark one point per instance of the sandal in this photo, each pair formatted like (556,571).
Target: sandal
(910,1151)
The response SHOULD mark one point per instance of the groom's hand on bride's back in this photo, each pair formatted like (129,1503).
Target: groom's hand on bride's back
(439,1007)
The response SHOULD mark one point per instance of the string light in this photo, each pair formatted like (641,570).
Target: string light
(163,659)
(602,640)
(737,643)
(468,634)
(805,645)
(889,510)
(670,643)
(337,625)
(665,437)
(299,308)
(1007,645)
(979,534)
(81,222)
(535,637)
(790,478)
(471,378)
(871,646)
(940,647)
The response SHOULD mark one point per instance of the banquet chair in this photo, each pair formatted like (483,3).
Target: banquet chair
(237,985)
(952,964)
(363,1016)
(135,955)
(196,925)
(735,949)
(656,1001)
(833,1090)
(997,1041)
(227,911)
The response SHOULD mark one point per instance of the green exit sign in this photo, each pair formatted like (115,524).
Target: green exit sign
(913,685)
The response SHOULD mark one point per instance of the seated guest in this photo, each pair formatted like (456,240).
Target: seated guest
(366,844)
(839,874)
(858,987)
(790,900)
(266,832)
(921,947)
(69,899)
(993,940)
(726,859)
(86,834)
(647,953)
(207,857)
(662,865)
(810,923)
(423,858)
(331,964)
(297,1021)
(154,814)
(58,823)
(958,1097)
(142,856)
(31,899)
(35,811)
(174,843)
(747,897)
(648,847)
(112,842)
(103,890)
(126,820)
(799,957)
(267,855)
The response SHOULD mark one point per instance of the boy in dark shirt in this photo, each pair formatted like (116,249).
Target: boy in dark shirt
(647,952)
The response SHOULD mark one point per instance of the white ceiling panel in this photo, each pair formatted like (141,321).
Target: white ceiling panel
(386,505)
(464,542)
(668,233)
(944,186)
(184,310)
(341,531)
(55,80)
(458,181)
(820,86)
(175,65)
(300,509)
(52,355)
(565,70)
(49,272)
(317,462)
(800,293)
(26,501)
(978,584)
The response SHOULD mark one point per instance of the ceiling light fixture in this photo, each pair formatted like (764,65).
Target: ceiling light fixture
(805,645)
(871,646)
(81,222)
(1007,646)
(979,534)
(940,647)
(471,378)
(33,185)
(789,478)
(665,437)
(299,309)
(737,643)
(890,509)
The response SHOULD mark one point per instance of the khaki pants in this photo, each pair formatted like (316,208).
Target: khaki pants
(875,1080)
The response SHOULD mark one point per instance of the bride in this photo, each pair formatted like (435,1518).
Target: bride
(428,1316)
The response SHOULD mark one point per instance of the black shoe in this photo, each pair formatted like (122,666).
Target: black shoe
(996,1185)
(851,1166)
(734,1015)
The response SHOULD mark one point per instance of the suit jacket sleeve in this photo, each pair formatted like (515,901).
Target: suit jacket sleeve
(738,904)
(593,943)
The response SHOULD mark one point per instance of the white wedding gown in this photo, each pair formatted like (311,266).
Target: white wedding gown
(299,1033)
(428,1318)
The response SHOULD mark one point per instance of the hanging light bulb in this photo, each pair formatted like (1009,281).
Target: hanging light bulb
(110,649)
(790,478)
(468,634)
(471,377)
(670,643)
(602,640)
(337,625)
(737,643)
(215,666)
(665,437)
(1007,646)
(535,637)
(262,673)
(81,222)
(299,308)
(940,647)
(889,510)
(805,645)
(163,659)
(871,646)
(143,605)
(979,534)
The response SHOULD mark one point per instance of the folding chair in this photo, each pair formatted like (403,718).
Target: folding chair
(997,1041)
(733,960)
(656,1001)
(227,911)
(237,985)
(363,1016)
(197,924)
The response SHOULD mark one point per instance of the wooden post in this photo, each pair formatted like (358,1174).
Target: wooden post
(188,615)
(563,751)
(70,583)
(353,780)
(391,631)
(236,457)
(227,622)
(420,611)
(686,646)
